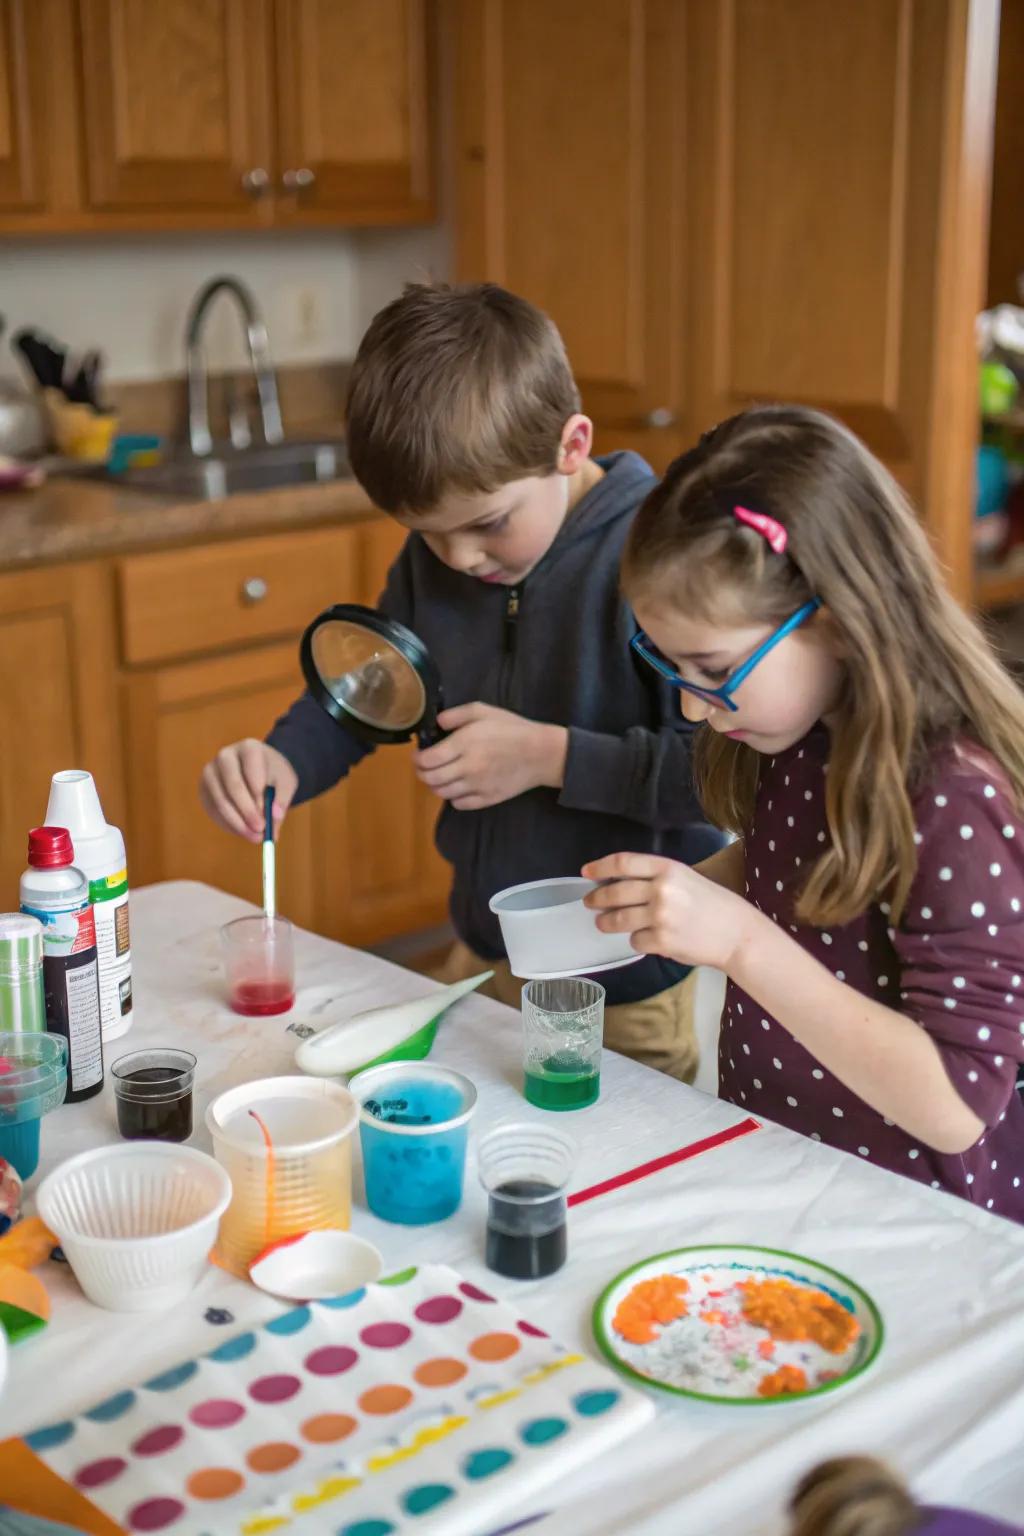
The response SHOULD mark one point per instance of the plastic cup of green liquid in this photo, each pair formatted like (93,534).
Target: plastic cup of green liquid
(563,1027)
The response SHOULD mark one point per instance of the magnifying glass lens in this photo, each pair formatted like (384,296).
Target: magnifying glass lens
(367,676)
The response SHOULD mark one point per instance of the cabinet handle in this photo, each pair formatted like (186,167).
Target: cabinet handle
(661,418)
(256,182)
(298,181)
(254,590)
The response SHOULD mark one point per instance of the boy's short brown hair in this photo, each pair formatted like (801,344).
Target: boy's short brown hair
(456,389)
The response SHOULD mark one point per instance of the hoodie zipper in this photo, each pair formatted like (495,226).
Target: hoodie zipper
(510,636)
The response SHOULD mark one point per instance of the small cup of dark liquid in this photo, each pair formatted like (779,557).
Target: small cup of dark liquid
(525,1170)
(153,1090)
(259,960)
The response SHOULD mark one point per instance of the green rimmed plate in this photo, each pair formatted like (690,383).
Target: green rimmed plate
(713,1353)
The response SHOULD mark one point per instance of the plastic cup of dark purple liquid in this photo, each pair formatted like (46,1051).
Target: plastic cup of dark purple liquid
(153,1091)
(525,1169)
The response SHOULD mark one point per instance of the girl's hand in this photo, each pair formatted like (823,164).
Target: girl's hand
(668,909)
(491,755)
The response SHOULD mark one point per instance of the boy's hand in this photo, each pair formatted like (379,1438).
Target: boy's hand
(490,756)
(668,909)
(231,787)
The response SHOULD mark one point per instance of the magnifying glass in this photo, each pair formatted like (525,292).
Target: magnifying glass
(373,676)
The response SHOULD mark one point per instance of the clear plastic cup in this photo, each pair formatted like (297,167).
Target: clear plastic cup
(413,1127)
(525,1170)
(302,1182)
(259,961)
(153,1092)
(33,1081)
(563,1027)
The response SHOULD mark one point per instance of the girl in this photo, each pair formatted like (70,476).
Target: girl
(858,1496)
(868,749)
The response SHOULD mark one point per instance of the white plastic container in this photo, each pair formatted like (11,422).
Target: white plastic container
(99,853)
(548,932)
(303,1182)
(136,1221)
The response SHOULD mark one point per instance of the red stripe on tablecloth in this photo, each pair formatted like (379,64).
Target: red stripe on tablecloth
(694,1149)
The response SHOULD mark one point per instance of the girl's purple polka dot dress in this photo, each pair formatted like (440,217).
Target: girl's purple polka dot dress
(955,965)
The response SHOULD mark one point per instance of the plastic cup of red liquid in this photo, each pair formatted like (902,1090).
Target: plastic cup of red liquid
(259,961)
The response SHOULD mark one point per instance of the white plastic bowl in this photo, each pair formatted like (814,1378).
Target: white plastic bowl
(136,1221)
(548,932)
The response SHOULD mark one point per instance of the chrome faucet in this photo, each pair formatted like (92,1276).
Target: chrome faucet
(199,437)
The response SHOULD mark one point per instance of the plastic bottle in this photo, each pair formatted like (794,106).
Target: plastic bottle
(22,999)
(57,893)
(99,853)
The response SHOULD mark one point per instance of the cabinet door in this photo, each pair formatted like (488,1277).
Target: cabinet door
(571,158)
(176,100)
(58,701)
(354,142)
(178,718)
(840,159)
(22,106)
(383,875)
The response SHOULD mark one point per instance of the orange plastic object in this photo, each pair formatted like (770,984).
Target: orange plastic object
(659,1300)
(27,1243)
(786,1381)
(20,1289)
(795,1314)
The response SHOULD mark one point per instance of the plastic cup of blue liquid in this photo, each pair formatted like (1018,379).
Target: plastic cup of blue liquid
(413,1128)
(33,1081)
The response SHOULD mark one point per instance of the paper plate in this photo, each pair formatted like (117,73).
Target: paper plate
(316,1266)
(715,1352)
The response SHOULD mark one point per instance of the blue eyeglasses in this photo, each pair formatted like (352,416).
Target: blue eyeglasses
(720,696)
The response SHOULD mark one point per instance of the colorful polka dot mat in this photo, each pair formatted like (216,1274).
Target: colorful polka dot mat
(420,1404)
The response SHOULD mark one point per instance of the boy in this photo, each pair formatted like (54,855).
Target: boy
(464,424)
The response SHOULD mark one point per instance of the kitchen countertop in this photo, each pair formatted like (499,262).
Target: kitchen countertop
(67,519)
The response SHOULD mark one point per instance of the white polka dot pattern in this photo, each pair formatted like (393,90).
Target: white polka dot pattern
(953,959)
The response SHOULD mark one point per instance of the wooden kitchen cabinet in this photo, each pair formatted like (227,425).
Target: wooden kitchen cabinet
(214,114)
(743,200)
(23,98)
(574,197)
(353,132)
(58,700)
(176,103)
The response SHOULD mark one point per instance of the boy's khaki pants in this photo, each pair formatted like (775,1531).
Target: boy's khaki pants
(657,1031)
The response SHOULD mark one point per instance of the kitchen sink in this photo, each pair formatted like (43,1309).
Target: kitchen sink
(227,472)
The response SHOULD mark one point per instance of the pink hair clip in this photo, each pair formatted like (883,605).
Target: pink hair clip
(766,526)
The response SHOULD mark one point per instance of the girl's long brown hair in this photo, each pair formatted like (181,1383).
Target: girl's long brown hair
(918,672)
(852,1496)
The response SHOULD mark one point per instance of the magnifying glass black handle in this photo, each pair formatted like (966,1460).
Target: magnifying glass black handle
(429,732)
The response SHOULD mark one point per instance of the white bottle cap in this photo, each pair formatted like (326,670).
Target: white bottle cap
(75,804)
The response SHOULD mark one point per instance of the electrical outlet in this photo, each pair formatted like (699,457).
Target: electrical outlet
(307,314)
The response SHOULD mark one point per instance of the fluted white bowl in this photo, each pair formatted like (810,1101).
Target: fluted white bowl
(136,1221)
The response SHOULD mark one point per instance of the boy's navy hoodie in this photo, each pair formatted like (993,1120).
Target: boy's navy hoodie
(564,659)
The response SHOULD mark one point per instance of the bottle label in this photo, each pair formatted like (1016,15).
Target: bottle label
(114,946)
(109,887)
(83,1015)
(65,933)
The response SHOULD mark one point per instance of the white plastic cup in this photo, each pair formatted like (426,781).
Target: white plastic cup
(306,1184)
(136,1221)
(549,932)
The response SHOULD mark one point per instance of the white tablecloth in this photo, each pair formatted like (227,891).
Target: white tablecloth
(944,1402)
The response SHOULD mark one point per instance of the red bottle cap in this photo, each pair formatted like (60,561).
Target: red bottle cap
(50,848)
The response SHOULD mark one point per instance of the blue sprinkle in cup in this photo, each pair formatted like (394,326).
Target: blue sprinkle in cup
(413,1127)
